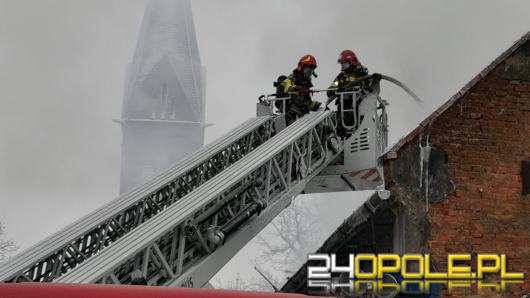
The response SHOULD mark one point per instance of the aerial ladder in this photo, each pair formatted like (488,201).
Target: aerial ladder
(183,226)
(64,250)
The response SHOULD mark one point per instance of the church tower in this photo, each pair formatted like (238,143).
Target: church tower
(164,100)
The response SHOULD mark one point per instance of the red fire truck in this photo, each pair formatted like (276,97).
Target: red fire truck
(52,290)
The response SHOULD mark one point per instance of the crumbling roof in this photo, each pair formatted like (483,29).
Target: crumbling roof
(392,153)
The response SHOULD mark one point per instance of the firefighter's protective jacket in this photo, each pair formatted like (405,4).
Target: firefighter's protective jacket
(300,102)
(345,79)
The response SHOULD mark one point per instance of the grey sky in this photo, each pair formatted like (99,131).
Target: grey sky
(62,66)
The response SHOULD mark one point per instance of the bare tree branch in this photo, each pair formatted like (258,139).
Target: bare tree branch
(6,246)
(293,236)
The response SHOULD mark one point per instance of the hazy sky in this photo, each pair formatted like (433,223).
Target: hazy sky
(62,66)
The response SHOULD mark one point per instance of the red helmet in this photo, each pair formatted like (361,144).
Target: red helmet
(348,55)
(307,60)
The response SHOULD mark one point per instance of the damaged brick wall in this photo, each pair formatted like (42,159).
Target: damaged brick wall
(417,178)
(485,135)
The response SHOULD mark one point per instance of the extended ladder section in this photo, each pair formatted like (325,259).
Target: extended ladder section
(189,241)
(79,242)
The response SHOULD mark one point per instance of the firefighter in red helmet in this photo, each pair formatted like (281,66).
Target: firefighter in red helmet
(351,70)
(298,84)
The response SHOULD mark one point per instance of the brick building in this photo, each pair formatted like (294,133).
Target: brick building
(460,181)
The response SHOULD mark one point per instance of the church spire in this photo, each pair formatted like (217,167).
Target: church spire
(163,105)
(165,77)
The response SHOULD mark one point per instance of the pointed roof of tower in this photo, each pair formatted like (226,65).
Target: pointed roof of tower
(167,31)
